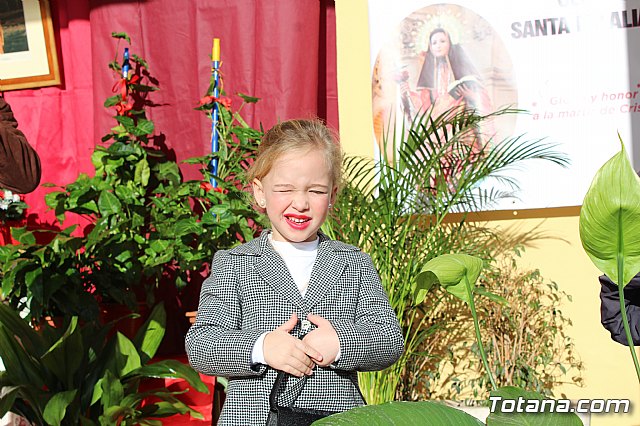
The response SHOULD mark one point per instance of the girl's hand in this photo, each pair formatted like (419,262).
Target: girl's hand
(284,352)
(324,338)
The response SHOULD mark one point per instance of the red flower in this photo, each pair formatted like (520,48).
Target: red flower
(224,101)
(206,100)
(209,187)
(206,186)
(123,108)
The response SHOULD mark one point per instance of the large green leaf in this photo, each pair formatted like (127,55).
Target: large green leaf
(170,407)
(126,357)
(401,413)
(528,401)
(171,368)
(449,270)
(57,407)
(20,365)
(149,336)
(108,390)
(29,338)
(610,219)
(65,356)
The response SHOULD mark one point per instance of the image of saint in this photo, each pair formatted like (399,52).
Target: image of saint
(448,78)
(442,59)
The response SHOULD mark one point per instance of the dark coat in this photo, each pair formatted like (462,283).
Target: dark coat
(610,309)
(19,162)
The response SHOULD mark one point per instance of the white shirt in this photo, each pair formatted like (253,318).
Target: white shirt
(299,258)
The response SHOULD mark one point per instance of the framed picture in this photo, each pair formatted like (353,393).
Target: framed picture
(27,45)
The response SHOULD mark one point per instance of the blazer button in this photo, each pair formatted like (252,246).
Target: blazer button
(305,325)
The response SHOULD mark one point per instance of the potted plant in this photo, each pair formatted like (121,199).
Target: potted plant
(609,217)
(395,209)
(83,374)
(148,228)
(457,274)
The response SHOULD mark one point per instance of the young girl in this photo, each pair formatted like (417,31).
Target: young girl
(290,282)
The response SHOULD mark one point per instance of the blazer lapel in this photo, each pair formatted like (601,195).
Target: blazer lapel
(327,270)
(273,270)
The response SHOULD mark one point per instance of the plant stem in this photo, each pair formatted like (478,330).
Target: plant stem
(625,320)
(476,325)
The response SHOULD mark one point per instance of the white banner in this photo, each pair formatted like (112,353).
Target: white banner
(573,64)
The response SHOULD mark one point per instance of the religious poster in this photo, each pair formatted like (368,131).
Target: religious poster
(569,64)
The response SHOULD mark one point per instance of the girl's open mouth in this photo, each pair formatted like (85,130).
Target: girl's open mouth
(297,221)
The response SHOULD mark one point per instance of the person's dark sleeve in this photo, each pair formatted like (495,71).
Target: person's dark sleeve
(19,163)
(610,309)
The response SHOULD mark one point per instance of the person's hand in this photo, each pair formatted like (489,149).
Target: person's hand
(284,352)
(324,338)
(467,92)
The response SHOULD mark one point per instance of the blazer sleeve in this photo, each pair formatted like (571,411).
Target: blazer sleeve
(19,163)
(374,341)
(610,309)
(215,344)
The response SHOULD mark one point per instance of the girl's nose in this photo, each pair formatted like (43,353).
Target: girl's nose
(300,201)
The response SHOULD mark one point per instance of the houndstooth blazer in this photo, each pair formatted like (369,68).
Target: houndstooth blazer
(250,291)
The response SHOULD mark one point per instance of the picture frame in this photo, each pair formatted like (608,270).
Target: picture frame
(28,56)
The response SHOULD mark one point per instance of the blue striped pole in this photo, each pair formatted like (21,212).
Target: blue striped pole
(215,65)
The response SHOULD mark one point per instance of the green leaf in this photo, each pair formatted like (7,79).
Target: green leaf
(168,409)
(139,60)
(449,271)
(108,390)
(57,407)
(144,127)
(491,296)
(65,356)
(186,226)
(112,100)
(171,368)
(108,203)
(127,358)
(536,418)
(121,35)
(20,365)
(15,325)
(170,171)
(149,336)
(610,219)
(401,413)
(248,99)
(127,123)
(142,172)
(8,395)
(23,235)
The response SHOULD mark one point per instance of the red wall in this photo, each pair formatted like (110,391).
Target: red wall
(280,51)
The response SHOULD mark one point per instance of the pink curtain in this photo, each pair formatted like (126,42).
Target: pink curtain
(280,51)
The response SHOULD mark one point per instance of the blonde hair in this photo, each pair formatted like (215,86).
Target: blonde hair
(297,135)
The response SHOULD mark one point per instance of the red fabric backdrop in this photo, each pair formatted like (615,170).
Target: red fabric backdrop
(280,51)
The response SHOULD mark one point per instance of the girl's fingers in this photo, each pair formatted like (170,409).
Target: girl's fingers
(310,352)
